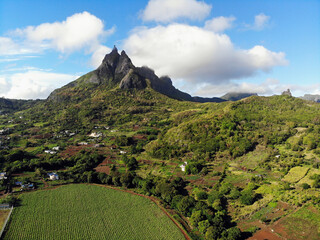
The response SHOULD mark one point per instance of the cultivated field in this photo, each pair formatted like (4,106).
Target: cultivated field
(89,212)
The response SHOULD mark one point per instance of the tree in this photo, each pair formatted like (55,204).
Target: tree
(247,197)
(305,185)
(196,217)
(126,180)
(201,195)
(39,172)
(212,233)
(203,226)
(185,205)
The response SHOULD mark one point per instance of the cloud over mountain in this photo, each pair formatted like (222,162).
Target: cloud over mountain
(197,55)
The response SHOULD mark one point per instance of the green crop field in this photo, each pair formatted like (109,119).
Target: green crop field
(296,174)
(89,212)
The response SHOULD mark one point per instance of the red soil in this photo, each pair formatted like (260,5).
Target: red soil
(265,234)
(139,137)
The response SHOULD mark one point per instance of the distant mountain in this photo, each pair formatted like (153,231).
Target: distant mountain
(117,70)
(310,97)
(235,96)
(13,105)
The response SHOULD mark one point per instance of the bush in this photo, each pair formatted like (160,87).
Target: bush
(305,186)
(247,197)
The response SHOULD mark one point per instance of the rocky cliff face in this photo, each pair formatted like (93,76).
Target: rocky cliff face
(117,70)
(310,97)
(286,93)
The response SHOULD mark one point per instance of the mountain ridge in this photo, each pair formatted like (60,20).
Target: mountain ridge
(117,70)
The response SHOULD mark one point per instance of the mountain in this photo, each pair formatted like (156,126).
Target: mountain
(117,70)
(122,125)
(310,97)
(235,96)
(13,105)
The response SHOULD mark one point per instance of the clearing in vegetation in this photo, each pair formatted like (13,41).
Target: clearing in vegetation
(89,212)
(296,174)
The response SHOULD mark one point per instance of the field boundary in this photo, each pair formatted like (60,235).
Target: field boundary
(5,223)
(182,230)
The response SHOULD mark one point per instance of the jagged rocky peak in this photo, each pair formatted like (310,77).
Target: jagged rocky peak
(118,70)
(115,66)
(287,93)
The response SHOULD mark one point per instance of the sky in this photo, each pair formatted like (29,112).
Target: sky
(208,48)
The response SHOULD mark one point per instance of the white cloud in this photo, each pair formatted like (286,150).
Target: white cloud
(98,55)
(261,21)
(266,88)
(76,32)
(9,47)
(219,24)
(170,10)
(32,84)
(196,54)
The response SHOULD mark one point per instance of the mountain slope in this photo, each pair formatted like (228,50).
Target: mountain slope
(235,96)
(14,105)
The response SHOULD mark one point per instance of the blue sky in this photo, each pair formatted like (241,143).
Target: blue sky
(207,47)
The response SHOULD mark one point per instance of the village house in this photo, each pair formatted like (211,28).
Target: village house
(95,134)
(183,166)
(50,152)
(4,205)
(122,152)
(53,176)
(56,148)
(27,186)
(3,175)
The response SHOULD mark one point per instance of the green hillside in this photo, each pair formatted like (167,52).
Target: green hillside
(250,164)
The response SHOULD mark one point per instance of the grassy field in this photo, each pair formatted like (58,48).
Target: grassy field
(303,224)
(3,216)
(89,212)
(296,174)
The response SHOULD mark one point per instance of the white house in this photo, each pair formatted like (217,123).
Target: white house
(183,166)
(122,152)
(56,148)
(50,151)
(95,134)
(53,176)
(3,175)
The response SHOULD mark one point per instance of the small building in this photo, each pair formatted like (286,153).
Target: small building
(27,186)
(18,183)
(82,143)
(95,134)
(56,148)
(122,152)
(183,166)
(50,152)
(53,176)
(4,206)
(3,175)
